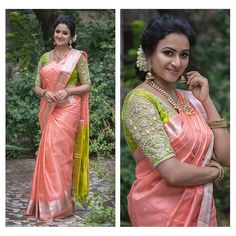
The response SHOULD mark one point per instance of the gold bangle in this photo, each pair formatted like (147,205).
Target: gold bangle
(44,92)
(221,175)
(68,91)
(215,124)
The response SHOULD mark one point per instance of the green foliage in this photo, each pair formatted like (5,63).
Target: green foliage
(99,212)
(126,178)
(25,45)
(212,55)
(21,116)
(128,73)
(101,204)
(25,41)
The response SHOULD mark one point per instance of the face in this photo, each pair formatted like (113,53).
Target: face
(62,35)
(171,57)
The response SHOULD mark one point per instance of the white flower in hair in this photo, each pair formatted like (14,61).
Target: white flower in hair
(74,38)
(142,62)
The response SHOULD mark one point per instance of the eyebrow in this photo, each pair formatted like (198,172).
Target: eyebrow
(63,30)
(184,50)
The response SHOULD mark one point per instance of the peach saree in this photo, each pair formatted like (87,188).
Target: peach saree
(61,169)
(154,202)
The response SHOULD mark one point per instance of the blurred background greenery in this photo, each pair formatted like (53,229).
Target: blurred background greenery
(29,35)
(212,53)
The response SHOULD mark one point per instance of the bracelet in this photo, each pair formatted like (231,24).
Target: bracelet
(68,91)
(221,175)
(215,124)
(44,92)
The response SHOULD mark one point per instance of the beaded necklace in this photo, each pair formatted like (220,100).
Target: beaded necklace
(56,58)
(185,107)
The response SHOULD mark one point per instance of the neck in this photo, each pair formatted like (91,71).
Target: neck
(167,86)
(61,48)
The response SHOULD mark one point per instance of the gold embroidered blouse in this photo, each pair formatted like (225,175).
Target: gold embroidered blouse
(146,126)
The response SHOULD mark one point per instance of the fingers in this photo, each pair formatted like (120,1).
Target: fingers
(50,97)
(195,79)
(60,95)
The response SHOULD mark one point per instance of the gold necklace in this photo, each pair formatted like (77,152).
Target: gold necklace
(186,108)
(57,58)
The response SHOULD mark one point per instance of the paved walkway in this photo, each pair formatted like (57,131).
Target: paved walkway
(18,183)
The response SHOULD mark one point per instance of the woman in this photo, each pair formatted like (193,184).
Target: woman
(62,162)
(175,135)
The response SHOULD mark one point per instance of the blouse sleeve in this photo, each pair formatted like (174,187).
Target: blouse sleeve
(83,71)
(144,124)
(37,78)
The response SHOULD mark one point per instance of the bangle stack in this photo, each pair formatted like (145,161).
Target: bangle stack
(68,91)
(222,172)
(215,124)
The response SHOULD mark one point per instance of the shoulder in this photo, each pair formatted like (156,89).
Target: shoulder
(46,53)
(84,54)
(136,101)
(45,57)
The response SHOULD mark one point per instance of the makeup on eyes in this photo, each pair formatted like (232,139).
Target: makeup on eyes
(168,51)
(63,32)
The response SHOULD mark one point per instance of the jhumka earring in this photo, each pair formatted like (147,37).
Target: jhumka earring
(54,43)
(182,80)
(70,44)
(142,62)
(149,76)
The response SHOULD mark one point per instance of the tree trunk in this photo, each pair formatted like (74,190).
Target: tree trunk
(46,18)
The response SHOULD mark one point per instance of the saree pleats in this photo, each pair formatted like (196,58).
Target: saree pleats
(154,202)
(50,196)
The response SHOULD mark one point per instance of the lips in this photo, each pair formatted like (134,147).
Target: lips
(173,71)
(60,40)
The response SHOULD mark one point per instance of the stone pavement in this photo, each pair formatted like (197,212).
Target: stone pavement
(18,182)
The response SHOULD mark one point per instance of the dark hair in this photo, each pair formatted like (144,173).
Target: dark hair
(67,21)
(161,26)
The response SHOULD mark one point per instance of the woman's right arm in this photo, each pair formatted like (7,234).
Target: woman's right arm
(144,123)
(39,90)
(49,96)
(38,85)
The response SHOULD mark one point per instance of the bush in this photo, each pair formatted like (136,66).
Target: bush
(22,108)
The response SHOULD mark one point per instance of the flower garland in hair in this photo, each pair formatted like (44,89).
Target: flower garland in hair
(74,38)
(142,63)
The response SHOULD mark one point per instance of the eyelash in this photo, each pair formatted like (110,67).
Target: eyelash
(184,55)
(58,31)
(170,53)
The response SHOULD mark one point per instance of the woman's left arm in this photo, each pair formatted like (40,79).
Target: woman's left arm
(83,88)
(221,135)
(84,77)
(199,86)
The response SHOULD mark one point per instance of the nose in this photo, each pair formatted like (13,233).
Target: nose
(176,61)
(59,35)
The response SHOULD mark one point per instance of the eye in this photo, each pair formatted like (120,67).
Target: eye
(168,53)
(57,31)
(65,33)
(184,55)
